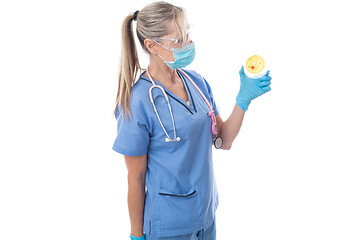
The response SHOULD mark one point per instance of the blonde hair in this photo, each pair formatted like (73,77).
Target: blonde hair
(152,23)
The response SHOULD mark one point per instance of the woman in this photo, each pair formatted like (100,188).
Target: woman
(169,150)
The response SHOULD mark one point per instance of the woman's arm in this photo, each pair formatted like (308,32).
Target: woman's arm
(250,88)
(229,129)
(137,167)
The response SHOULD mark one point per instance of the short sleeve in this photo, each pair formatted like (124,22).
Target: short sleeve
(212,100)
(133,135)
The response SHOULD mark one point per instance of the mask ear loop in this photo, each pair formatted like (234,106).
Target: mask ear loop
(165,61)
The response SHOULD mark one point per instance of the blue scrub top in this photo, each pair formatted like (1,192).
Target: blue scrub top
(181,191)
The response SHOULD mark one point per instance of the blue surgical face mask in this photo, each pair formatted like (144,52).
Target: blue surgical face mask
(183,56)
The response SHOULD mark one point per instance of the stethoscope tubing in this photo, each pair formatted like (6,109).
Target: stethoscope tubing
(211,113)
(172,118)
(202,95)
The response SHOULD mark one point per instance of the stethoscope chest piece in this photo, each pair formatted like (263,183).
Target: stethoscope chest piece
(172,140)
(218,142)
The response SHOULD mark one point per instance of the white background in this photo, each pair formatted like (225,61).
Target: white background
(292,172)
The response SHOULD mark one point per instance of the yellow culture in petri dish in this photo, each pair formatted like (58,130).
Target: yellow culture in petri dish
(255,64)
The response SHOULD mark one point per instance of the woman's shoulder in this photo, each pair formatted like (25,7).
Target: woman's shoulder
(140,89)
(142,84)
(139,99)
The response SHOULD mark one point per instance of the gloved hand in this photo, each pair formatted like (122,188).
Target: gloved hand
(136,238)
(251,88)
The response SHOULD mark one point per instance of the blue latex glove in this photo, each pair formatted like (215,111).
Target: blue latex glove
(251,88)
(136,238)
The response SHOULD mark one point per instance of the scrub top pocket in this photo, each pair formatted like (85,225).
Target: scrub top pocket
(179,210)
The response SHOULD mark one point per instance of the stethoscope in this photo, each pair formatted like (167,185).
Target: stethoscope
(217,141)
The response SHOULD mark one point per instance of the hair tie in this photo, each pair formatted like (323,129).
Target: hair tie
(135,15)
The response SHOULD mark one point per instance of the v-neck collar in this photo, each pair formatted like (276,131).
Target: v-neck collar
(192,106)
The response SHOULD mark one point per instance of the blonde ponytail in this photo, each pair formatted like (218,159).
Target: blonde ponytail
(129,66)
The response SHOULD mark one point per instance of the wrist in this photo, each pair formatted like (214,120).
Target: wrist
(132,237)
(243,103)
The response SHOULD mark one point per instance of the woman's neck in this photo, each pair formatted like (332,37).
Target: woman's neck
(162,73)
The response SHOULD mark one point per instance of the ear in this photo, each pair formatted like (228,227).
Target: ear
(151,46)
